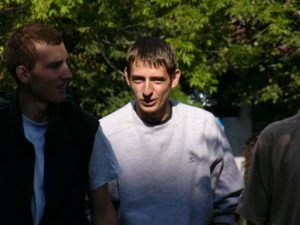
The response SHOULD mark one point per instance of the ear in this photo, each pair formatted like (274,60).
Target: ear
(127,76)
(23,74)
(175,78)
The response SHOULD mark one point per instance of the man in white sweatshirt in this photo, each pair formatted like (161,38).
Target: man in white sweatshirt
(177,166)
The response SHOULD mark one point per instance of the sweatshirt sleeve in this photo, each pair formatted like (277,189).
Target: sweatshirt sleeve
(227,181)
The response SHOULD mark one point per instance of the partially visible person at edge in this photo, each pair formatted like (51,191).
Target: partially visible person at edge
(247,150)
(177,166)
(51,151)
(272,188)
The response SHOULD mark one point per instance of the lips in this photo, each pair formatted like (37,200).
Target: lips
(63,87)
(149,102)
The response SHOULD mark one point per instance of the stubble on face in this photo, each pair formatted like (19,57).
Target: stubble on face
(47,82)
(51,74)
(151,87)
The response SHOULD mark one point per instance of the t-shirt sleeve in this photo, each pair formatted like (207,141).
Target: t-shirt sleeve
(103,163)
(256,197)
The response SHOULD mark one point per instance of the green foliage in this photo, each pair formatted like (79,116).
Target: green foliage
(250,49)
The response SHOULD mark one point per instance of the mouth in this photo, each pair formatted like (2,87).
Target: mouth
(63,86)
(149,102)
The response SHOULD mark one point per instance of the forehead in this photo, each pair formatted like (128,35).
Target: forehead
(49,53)
(145,67)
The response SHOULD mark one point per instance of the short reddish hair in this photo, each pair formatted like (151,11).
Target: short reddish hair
(21,49)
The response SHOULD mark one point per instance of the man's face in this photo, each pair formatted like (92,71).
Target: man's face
(151,87)
(48,81)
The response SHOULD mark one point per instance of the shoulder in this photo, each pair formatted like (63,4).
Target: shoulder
(70,107)
(194,113)
(7,106)
(199,120)
(75,115)
(118,117)
(277,136)
(7,99)
(120,121)
(288,125)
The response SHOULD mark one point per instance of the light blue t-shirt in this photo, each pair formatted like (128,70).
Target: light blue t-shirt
(103,165)
(35,133)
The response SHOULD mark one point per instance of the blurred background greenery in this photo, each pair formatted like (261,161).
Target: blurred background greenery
(231,52)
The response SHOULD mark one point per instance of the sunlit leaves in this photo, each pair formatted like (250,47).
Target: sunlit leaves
(253,47)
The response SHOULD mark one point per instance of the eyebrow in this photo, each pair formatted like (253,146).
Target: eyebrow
(151,76)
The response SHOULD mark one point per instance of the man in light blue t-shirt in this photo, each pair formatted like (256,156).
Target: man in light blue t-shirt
(177,166)
(51,151)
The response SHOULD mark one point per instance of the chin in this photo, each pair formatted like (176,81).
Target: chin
(145,109)
(149,113)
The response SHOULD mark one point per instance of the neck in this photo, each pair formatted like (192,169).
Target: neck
(158,118)
(34,109)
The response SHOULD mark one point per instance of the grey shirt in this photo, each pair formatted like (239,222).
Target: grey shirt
(181,172)
(272,192)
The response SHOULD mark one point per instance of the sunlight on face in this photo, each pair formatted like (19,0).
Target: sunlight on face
(151,87)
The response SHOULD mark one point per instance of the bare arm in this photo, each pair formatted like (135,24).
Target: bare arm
(103,212)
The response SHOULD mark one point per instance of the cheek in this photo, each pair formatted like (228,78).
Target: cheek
(136,90)
(43,87)
(164,92)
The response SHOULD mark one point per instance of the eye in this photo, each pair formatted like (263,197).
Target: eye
(158,80)
(54,65)
(137,80)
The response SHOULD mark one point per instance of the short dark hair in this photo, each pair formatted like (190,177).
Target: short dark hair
(21,49)
(153,52)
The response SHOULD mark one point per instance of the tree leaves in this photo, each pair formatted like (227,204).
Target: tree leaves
(238,44)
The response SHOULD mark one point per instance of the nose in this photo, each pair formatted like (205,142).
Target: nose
(148,90)
(67,74)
